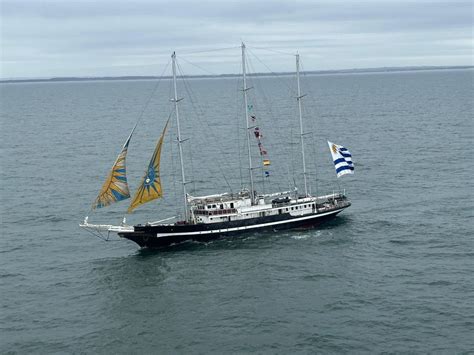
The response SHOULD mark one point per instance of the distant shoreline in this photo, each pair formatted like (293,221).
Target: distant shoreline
(313,72)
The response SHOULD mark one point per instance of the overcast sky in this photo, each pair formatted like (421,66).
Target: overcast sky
(53,38)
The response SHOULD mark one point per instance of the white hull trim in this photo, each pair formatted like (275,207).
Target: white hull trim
(255,226)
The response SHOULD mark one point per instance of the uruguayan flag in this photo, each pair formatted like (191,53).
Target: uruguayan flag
(342,159)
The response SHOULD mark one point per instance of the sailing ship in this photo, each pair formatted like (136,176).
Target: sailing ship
(226,214)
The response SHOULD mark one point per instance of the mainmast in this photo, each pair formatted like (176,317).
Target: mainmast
(180,141)
(299,97)
(245,89)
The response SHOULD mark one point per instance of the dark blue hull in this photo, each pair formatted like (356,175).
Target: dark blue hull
(161,236)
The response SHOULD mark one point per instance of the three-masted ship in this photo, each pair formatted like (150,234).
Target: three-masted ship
(226,214)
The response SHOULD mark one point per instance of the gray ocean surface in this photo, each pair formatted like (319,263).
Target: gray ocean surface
(394,273)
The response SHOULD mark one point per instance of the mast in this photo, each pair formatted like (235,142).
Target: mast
(299,97)
(180,141)
(245,89)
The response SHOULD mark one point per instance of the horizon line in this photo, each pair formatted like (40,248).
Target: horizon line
(230,75)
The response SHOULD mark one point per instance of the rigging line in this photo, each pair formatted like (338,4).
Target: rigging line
(153,93)
(201,115)
(313,138)
(140,116)
(290,88)
(252,100)
(272,50)
(190,151)
(199,67)
(269,105)
(173,171)
(148,103)
(310,123)
(238,107)
(181,76)
(210,50)
(308,87)
(317,181)
(312,97)
(278,76)
(266,180)
(255,109)
(97,234)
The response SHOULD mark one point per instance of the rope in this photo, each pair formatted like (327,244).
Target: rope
(212,50)
(269,104)
(99,235)
(140,115)
(190,150)
(276,75)
(202,118)
(272,50)
(199,67)
(239,104)
(173,169)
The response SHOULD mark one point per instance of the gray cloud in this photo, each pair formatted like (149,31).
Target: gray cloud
(57,38)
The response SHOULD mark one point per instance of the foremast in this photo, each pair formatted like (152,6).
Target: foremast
(244,90)
(176,101)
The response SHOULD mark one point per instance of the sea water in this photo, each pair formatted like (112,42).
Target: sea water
(393,273)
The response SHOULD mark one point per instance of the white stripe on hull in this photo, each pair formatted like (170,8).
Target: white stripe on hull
(255,226)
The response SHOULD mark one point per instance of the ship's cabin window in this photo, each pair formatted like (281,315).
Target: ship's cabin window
(209,206)
(222,206)
(231,205)
(213,206)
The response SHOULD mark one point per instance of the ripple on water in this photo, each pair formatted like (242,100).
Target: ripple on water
(393,273)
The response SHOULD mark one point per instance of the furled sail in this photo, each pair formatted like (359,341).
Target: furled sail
(150,187)
(115,187)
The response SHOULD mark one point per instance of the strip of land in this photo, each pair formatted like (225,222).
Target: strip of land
(314,72)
